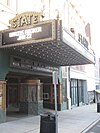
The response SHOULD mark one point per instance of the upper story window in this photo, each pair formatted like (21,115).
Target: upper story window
(5,2)
(9,4)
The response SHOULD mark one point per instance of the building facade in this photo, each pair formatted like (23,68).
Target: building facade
(35,41)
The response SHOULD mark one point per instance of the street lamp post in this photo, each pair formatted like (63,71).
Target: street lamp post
(55,82)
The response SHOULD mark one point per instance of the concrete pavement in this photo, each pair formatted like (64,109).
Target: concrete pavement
(77,120)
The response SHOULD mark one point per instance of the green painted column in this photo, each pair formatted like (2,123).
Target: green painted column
(4,64)
(4,67)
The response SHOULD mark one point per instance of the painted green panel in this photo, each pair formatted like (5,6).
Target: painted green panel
(4,64)
(2,116)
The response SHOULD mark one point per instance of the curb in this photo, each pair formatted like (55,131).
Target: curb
(90,126)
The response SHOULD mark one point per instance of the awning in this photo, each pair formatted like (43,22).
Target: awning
(46,43)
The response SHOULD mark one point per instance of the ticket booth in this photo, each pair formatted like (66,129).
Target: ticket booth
(31,101)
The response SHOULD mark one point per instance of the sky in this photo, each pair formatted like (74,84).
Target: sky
(91,9)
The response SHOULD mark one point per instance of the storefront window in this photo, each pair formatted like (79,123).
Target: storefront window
(74,99)
(77,92)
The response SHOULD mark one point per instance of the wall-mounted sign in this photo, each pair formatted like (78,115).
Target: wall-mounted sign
(44,31)
(83,40)
(25,19)
(30,65)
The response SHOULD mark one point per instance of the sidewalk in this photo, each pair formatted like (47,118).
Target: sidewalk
(77,120)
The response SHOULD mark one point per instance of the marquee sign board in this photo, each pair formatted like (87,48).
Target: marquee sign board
(40,32)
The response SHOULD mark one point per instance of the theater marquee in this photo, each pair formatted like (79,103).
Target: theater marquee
(44,31)
(25,19)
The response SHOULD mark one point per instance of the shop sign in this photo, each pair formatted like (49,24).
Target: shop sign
(25,19)
(36,33)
